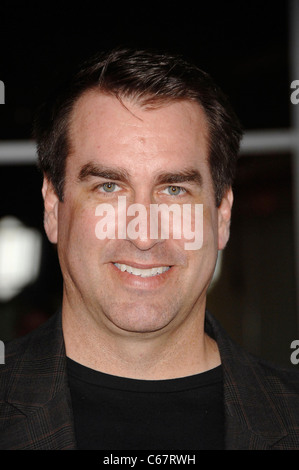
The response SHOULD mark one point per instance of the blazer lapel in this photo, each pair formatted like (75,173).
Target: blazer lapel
(252,417)
(251,423)
(37,408)
(49,427)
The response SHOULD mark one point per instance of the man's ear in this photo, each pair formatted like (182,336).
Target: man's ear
(51,201)
(224,217)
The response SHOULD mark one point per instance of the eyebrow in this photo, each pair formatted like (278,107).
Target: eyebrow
(183,176)
(101,171)
(119,174)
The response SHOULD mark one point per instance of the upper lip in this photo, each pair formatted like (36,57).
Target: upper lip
(141,266)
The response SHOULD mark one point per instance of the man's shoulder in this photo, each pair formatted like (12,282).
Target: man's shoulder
(283,381)
(247,371)
(32,348)
(35,406)
(32,339)
(261,398)
(272,376)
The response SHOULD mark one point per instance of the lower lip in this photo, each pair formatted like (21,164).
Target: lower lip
(150,282)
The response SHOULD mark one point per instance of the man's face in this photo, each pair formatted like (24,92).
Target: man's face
(148,157)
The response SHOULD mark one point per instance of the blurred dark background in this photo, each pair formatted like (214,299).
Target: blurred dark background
(245,46)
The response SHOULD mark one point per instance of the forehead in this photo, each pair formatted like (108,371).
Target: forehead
(103,127)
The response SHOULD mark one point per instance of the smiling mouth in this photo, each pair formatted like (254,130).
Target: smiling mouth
(149,272)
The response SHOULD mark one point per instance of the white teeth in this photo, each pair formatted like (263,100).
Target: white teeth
(142,272)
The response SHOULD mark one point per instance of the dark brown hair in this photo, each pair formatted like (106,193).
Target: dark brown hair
(151,79)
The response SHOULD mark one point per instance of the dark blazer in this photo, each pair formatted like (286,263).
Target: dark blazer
(261,401)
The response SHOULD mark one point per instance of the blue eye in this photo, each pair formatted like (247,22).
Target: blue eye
(175,190)
(109,187)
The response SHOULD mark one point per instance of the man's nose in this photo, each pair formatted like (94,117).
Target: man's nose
(141,227)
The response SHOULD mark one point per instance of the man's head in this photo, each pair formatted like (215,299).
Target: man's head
(154,130)
(150,80)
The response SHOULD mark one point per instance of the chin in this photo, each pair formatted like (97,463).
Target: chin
(142,320)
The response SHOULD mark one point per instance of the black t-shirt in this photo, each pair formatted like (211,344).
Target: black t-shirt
(116,413)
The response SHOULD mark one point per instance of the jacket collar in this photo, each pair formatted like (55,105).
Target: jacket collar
(38,392)
(252,420)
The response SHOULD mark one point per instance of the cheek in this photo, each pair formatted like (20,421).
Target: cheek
(210,224)
(76,229)
(202,261)
(204,228)
(201,250)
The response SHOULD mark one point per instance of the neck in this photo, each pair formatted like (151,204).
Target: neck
(165,354)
